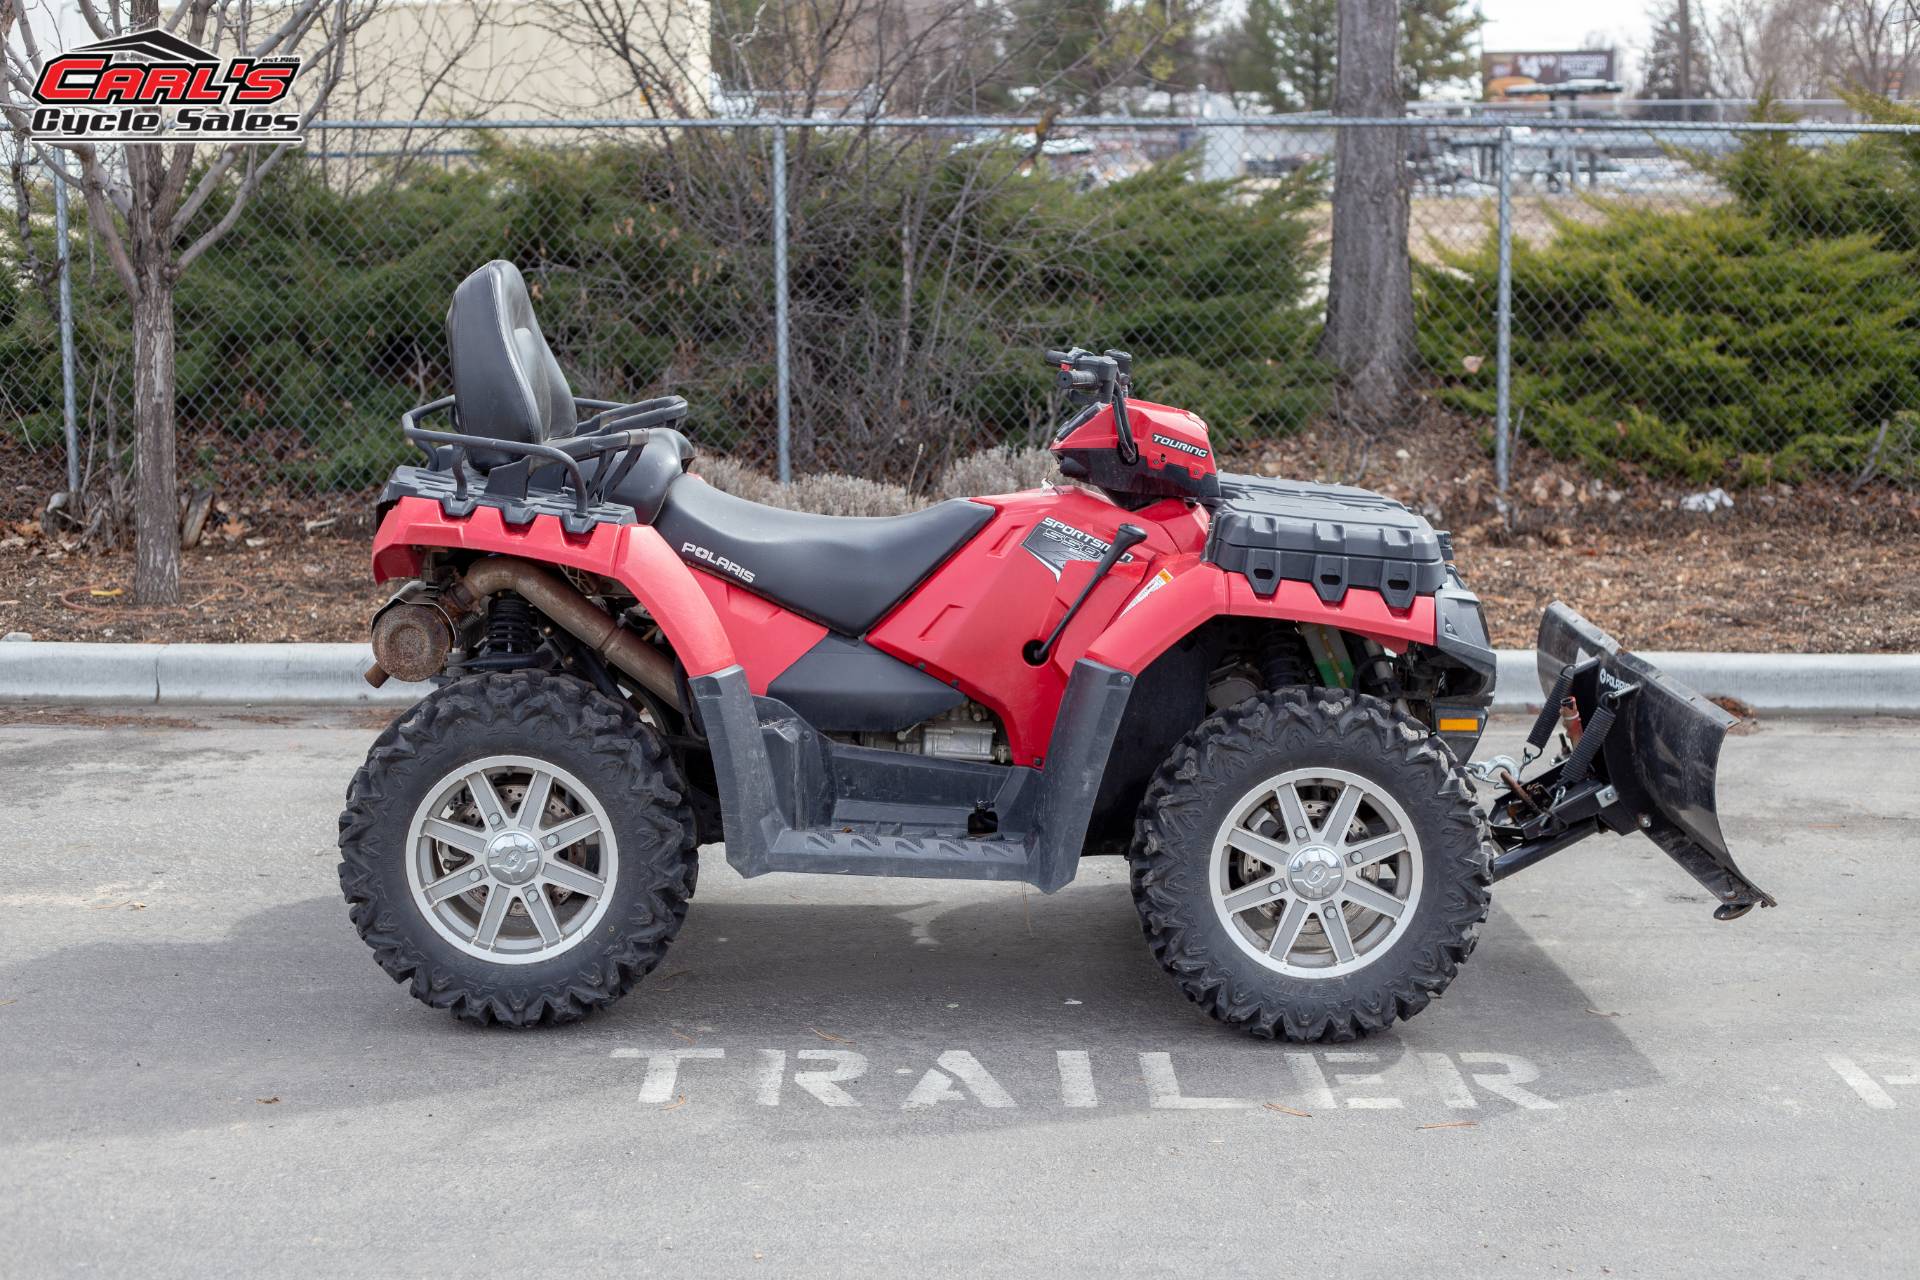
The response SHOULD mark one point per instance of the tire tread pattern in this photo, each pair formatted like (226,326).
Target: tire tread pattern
(516,711)
(1173,846)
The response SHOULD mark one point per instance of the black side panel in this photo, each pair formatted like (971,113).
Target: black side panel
(1462,636)
(1169,698)
(1090,715)
(843,685)
(777,779)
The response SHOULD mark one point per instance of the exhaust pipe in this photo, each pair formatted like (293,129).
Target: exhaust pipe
(411,640)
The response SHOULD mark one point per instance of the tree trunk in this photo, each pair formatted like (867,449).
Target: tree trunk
(156,568)
(1369,333)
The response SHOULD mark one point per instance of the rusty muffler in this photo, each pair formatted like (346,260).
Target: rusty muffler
(411,639)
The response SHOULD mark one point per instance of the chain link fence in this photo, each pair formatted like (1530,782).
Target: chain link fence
(1711,302)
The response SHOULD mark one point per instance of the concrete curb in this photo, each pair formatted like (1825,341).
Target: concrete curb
(330,675)
(194,674)
(1808,683)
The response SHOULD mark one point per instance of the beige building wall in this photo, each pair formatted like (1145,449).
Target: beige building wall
(519,59)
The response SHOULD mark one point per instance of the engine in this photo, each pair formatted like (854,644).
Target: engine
(968,732)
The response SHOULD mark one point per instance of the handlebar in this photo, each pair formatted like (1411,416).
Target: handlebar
(1106,378)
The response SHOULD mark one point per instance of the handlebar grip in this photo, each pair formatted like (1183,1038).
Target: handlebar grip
(1080,378)
(1058,357)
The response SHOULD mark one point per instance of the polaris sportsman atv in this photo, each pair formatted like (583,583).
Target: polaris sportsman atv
(1261,692)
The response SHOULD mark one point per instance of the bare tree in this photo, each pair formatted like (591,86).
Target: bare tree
(877,359)
(1871,45)
(1369,333)
(1760,47)
(1814,48)
(156,209)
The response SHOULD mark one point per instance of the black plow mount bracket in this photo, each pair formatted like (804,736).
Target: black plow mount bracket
(1642,752)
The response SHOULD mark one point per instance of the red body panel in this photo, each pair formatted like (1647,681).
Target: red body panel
(1165,436)
(967,623)
(1198,591)
(766,638)
(633,555)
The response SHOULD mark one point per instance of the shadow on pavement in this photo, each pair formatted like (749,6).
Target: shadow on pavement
(146,1035)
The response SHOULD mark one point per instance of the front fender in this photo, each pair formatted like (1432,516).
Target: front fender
(633,555)
(1187,591)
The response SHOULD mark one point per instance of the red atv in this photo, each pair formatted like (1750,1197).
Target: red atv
(1261,692)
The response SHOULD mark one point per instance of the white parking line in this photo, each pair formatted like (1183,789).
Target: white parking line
(954,1065)
(1447,1080)
(1076,1078)
(1348,1079)
(1863,1084)
(1163,1088)
(663,1071)
(957,1077)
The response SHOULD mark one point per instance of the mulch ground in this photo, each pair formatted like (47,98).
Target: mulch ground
(1810,569)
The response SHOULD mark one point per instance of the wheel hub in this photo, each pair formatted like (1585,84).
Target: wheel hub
(1315,872)
(513,857)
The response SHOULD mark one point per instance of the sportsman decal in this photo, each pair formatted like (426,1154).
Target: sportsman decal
(1053,544)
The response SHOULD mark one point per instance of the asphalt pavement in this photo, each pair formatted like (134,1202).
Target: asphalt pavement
(203,1073)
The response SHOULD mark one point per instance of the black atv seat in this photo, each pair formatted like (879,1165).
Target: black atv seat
(506,383)
(843,571)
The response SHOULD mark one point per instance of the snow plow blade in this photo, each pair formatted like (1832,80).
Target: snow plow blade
(1642,754)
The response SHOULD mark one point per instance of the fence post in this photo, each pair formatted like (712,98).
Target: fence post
(783,409)
(64,250)
(1503,338)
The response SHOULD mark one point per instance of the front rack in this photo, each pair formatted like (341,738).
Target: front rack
(595,437)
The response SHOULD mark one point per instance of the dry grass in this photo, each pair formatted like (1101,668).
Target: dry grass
(997,470)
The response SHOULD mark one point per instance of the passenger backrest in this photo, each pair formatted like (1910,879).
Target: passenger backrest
(506,383)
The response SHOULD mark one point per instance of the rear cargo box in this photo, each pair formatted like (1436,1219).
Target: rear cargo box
(1333,536)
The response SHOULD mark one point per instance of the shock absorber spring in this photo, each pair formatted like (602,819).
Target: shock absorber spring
(510,625)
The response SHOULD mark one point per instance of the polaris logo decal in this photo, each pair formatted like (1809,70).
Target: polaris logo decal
(1053,543)
(1181,445)
(719,562)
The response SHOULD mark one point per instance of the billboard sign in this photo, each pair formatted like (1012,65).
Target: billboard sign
(1502,71)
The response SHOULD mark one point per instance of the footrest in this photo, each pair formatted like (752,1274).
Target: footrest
(995,857)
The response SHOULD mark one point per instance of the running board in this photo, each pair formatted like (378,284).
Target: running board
(792,799)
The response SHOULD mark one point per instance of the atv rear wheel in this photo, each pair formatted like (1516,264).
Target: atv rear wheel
(1309,864)
(518,849)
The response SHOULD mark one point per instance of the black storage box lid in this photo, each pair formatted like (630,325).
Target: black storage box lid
(1331,535)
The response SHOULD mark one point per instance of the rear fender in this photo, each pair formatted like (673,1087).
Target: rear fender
(633,555)
(1188,591)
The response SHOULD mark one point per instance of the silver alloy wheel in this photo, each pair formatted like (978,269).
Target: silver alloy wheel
(511,859)
(1315,872)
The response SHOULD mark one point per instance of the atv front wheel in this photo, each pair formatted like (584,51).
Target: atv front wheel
(1309,864)
(517,848)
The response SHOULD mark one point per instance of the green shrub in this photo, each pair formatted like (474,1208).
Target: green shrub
(1689,342)
(302,335)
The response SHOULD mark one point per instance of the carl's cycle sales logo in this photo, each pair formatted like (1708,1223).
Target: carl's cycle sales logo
(152,86)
